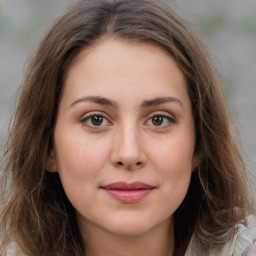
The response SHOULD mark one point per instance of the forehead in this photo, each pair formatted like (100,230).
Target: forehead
(112,67)
(106,50)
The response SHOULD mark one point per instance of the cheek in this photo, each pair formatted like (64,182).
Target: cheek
(79,162)
(174,157)
(79,166)
(173,165)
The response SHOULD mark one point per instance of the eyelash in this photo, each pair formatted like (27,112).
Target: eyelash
(89,117)
(165,117)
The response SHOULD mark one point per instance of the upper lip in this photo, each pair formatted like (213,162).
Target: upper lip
(127,186)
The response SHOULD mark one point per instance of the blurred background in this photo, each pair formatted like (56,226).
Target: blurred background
(227,28)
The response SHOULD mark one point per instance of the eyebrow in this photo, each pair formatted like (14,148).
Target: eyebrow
(159,101)
(144,104)
(95,99)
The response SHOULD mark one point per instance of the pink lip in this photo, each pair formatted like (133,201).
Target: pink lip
(128,192)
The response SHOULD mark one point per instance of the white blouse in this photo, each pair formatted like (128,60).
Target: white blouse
(242,244)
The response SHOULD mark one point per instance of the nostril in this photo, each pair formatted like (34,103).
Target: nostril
(129,165)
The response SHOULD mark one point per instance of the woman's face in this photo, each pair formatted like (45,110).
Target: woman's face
(124,138)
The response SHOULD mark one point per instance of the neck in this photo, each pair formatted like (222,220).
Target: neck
(157,242)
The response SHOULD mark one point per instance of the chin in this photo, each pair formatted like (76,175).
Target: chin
(132,227)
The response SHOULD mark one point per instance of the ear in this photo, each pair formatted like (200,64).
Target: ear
(196,161)
(50,163)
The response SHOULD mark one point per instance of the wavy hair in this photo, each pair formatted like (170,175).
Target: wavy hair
(36,212)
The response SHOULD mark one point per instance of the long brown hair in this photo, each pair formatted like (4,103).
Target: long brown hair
(36,211)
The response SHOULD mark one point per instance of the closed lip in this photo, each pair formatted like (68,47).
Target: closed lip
(128,192)
(127,186)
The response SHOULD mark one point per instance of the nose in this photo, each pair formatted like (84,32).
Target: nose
(128,150)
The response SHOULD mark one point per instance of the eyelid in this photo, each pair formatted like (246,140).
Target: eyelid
(163,114)
(95,113)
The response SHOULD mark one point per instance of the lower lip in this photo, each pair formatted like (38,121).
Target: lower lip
(128,196)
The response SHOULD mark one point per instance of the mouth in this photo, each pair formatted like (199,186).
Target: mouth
(128,192)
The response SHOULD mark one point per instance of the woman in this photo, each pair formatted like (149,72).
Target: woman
(121,142)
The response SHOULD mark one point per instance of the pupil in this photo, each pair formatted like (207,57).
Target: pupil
(97,120)
(157,120)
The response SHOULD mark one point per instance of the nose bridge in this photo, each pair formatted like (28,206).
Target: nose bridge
(129,139)
(128,150)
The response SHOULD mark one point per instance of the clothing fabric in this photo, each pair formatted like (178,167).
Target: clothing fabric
(242,244)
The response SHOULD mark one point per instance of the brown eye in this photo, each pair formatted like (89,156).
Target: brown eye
(97,120)
(157,120)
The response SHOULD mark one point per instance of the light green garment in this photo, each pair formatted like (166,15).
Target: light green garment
(246,242)
(242,244)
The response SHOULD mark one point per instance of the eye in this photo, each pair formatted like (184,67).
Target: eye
(159,120)
(95,121)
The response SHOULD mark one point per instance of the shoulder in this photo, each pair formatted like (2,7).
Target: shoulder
(242,244)
(245,242)
(13,250)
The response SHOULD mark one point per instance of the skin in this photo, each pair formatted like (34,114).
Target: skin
(127,144)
